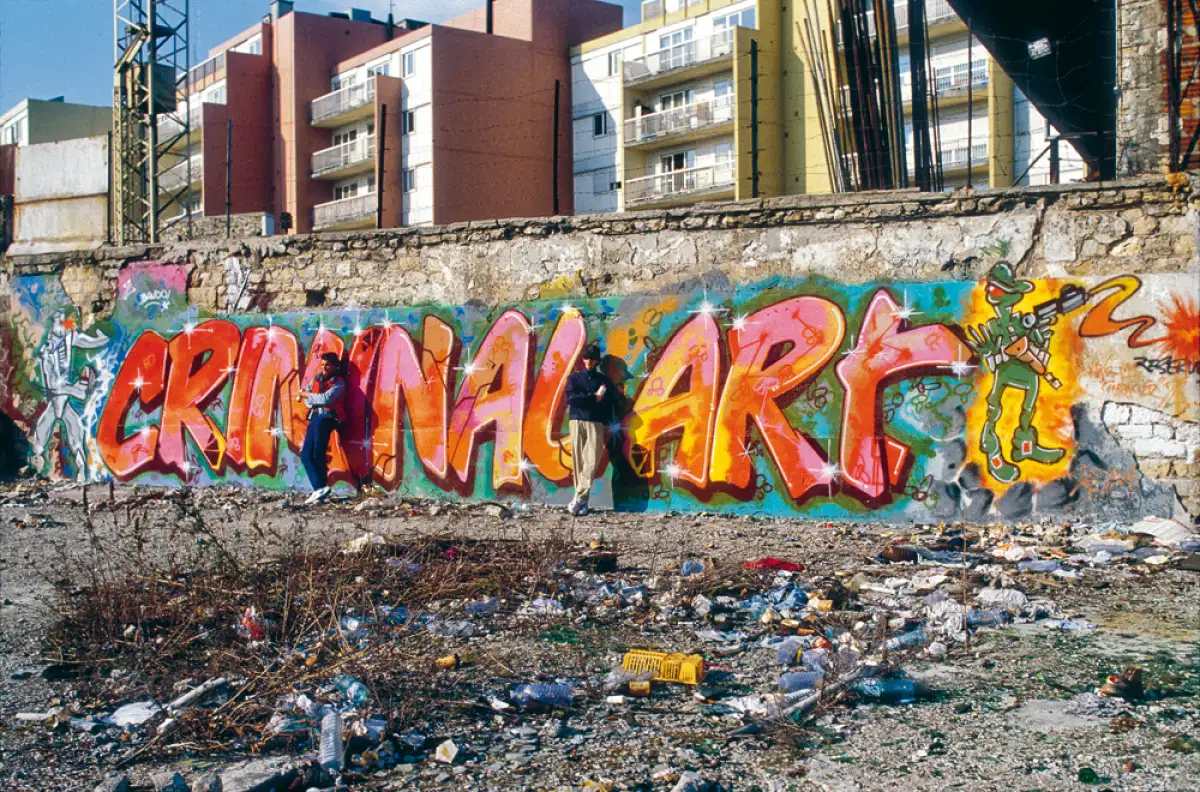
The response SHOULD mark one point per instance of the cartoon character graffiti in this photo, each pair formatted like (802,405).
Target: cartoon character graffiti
(59,388)
(1014,348)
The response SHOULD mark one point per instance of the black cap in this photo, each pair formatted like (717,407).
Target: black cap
(593,353)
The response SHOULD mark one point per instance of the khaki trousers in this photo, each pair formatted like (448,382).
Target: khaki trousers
(587,447)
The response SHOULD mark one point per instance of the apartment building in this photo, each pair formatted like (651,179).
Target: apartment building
(48,120)
(305,111)
(713,100)
(1007,142)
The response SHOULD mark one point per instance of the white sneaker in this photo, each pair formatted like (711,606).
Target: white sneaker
(572,506)
(318,496)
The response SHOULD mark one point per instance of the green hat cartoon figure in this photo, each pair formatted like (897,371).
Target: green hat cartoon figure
(1014,348)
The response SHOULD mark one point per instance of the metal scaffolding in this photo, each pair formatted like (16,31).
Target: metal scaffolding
(151,119)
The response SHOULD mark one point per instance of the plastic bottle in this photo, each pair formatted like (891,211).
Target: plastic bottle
(788,651)
(915,637)
(548,695)
(331,742)
(800,680)
(985,618)
(889,690)
(691,567)
(484,607)
(356,692)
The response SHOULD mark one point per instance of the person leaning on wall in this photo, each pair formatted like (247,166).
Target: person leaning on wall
(325,397)
(590,397)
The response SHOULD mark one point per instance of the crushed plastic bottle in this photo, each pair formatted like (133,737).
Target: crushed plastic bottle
(356,692)
(985,618)
(915,637)
(330,754)
(897,691)
(787,652)
(691,567)
(547,695)
(800,680)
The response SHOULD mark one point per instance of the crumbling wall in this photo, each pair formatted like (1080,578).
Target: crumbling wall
(866,394)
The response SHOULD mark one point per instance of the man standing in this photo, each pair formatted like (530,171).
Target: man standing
(589,399)
(325,413)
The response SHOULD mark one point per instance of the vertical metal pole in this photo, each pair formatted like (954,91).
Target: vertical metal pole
(379,146)
(228,177)
(1054,161)
(753,118)
(970,102)
(490,16)
(1173,134)
(554,168)
(152,159)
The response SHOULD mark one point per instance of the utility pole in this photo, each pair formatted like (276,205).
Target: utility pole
(754,118)
(554,167)
(379,146)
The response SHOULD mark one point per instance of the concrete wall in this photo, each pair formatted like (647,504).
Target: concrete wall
(61,196)
(1141,110)
(53,121)
(818,356)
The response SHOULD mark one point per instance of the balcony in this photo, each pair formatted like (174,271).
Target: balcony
(951,83)
(689,122)
(356,212)
(344,159)
(174,179)
(172,125)
(681,186)
(344,105)
(691,58)
(206,73)
(954,155)
(937,12)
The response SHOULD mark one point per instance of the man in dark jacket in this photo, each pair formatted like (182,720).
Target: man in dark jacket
(590,408)
(325,414)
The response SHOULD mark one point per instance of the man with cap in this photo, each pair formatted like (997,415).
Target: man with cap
(590,408)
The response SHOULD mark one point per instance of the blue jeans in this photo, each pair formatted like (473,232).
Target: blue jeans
(314,452)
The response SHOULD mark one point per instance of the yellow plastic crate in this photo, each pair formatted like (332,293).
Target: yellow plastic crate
(676,667)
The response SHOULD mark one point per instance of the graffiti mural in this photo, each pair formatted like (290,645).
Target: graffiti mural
(803,397)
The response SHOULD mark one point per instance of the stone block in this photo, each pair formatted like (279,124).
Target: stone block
(1133,431)
(1163,431)
(1115,413)
(1155,468)
(1143,415)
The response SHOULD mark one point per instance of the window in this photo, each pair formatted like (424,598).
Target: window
(255,47)
(344,137)
(408,64)
(342,81)
(600,125)
(410,180)
(378,68)
(676,99)
(343,191)
(614,63)
(740,19)
(408,122)
(371,127)
(370,183)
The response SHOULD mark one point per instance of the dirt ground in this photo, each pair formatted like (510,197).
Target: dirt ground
(1014,709)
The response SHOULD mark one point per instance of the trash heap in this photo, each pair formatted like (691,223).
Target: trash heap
(452,661)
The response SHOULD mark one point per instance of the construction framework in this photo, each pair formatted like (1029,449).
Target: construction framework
(1183,87)
(151,118)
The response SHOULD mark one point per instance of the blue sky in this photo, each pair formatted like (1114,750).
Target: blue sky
(54,48)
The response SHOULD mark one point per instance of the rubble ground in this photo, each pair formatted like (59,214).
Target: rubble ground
(226,638)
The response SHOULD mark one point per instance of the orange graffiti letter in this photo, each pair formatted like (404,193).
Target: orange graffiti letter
(268,361)
(544,444)
(814,327)
(201,358)
(1099,320)
(694,352)
(493,393)
(870,460)
(142,378)
(417,379)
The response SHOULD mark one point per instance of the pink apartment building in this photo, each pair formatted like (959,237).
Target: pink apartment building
(458,118)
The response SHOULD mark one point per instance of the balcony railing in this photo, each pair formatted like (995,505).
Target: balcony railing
(696,115)
(342,100)
(169,126)
(206,69)
(955,82)
(680,56)
(935,11)
(680,183)
(177,176)
(347,210)
(954,155)
(343,155)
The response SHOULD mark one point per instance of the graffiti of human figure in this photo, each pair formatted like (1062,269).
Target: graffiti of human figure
(58,348)
(1014,347)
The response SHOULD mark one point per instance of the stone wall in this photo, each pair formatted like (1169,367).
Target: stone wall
(638,281)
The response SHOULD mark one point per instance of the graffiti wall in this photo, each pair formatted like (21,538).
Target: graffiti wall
(803,397)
